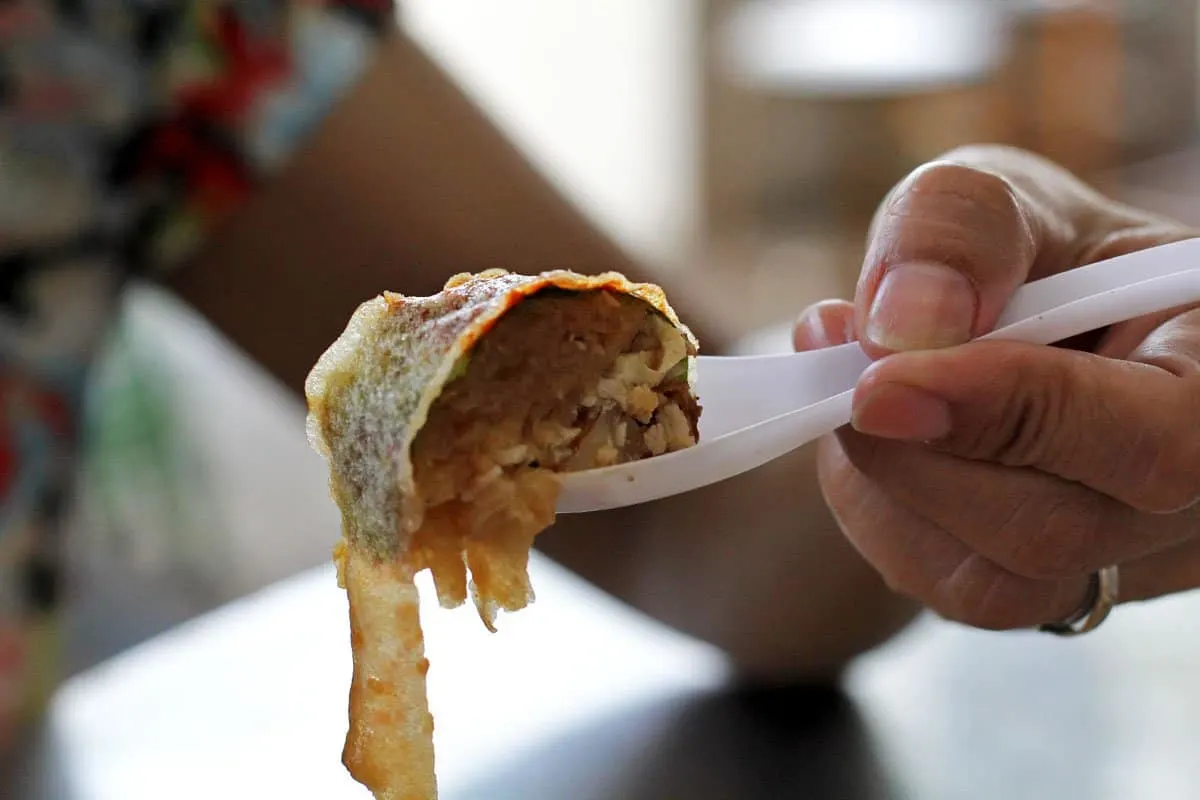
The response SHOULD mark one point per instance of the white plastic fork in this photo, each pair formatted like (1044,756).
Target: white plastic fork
(758,408)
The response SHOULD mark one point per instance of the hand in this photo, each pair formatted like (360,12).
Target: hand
(989,480)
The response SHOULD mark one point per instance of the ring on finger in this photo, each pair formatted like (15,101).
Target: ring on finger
(1103,591)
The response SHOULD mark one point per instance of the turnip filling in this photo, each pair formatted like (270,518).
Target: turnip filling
(565,381)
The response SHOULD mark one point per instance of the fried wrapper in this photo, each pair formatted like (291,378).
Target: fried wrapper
(444,421)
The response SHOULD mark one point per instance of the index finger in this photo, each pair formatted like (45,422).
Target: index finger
(957,237)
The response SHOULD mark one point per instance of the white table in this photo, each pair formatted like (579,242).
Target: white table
(250,701)
(585,700)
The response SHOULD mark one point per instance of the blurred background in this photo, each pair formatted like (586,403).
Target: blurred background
(743,145)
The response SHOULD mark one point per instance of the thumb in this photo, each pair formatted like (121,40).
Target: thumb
(1124,428)
(957,237)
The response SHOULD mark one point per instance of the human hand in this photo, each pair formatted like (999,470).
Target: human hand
(991,480)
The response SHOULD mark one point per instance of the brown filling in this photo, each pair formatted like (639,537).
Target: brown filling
(565,381)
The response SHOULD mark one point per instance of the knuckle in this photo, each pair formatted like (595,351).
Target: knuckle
(959,215)
(1058,543)
(978,594)
(1163,499)
(1151,457)
(1166,469)
(1165,488)
(1137,233)
(972,186)
(1168,496)
(1027,423)
(914,582)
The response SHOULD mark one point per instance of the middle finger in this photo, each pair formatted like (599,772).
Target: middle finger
(1029,522)
(919,559)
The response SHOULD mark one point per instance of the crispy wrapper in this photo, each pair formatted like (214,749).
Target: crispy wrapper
(369,396)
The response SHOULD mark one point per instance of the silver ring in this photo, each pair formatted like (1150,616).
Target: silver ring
(1103,589)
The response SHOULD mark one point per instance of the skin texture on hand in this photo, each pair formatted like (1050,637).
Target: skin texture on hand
(989,480)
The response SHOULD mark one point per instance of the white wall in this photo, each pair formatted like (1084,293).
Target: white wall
(599,93)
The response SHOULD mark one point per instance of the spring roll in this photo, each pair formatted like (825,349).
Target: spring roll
(445,422)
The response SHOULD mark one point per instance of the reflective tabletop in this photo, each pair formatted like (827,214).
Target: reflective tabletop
(580,698)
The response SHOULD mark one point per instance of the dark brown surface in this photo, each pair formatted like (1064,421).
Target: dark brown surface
(796,743)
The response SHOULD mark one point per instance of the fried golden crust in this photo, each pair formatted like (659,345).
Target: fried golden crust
(369,396)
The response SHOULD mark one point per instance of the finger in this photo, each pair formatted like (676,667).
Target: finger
(1030,523)
(918,559)
(956,238)
(825,324)
(1119,341)
(1124,428)
(1173,346)
(1123,340)
(1171,571)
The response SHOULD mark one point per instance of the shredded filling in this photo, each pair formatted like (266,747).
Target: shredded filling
(565,381)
